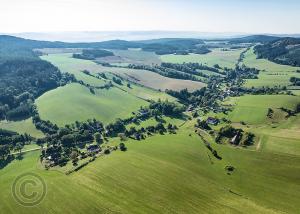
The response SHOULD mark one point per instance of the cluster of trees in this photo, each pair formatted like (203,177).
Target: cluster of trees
(236,136)
(117,81)
(142,133)
(45,126)
(11,141)
(192,68)
(202,124)
(62,143)
(206,97)
(284,51)
(173,46)
(201,50)
(91,54)
(186,71)
(295,81)
(241,72)
(24,80)
(239,91)
(164,71)
(242,56)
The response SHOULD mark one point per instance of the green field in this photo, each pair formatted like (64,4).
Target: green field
(251,61)
(147,78)
(23,126)
(217,56)
(253,109)
(272,74)
(73,102)
(165,173)
(181,176)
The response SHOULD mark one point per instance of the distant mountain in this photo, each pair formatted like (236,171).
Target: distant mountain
(254,39)
(97,36)
(284,51)
(14,45)
(172,41)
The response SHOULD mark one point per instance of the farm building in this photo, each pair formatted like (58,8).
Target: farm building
(212,121)
(93,148)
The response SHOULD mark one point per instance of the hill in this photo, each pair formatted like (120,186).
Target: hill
(284,51)
(254,39)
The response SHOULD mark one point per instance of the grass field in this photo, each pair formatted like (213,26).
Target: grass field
(272,79)
(23,126)
(253,109)
(170,173)
(217,56)
(147,78)
(251,61)
(181,176)
(272,74)
(66,63)
(73,102)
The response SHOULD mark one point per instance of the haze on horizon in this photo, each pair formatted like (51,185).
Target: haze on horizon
(268,16)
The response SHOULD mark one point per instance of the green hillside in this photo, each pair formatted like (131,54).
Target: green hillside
(183,176)
(74,102)
(253,109)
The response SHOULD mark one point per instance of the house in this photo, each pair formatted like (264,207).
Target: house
(93,148)
(212,121)
(190,108)
(143,112)
(236,139)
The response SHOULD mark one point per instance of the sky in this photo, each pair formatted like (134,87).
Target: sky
(251,16)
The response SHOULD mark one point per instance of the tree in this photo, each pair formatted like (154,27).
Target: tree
(98,138)
(67,140)
(122,147)
(19,147)
(4,151)
(297,108)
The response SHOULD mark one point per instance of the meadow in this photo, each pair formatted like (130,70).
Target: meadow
(217,56)
(166,173)
(251,61)
(182,173)
(73,102)
(253,109)
(22,127)
(272,74)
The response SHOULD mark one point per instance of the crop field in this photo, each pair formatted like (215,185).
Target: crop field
(180,173)
(147,78)
(23,126)
(217,56)
(73,102)
(253,109)
(132,56)
(156,81)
